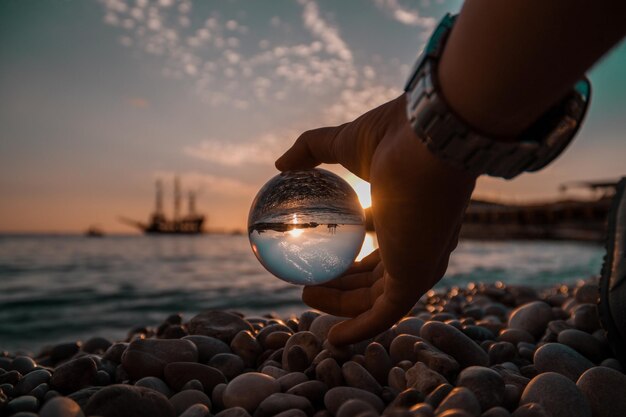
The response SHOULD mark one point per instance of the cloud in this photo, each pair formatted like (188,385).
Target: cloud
(204,184)
(138,102)
(410,17)
(325,32)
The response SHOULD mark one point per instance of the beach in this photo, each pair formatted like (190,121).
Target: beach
(474,350)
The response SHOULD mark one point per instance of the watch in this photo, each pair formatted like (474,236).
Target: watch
(453,140)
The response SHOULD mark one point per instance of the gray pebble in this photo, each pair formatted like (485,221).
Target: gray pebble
(353,408)
(329,373)
(357,376)
(183,400)
(453,342)
(555,357)
(599,384)
(460,397)
(496,412)
(335,397)
(207,346)
(486,384)
(233,412)
(128,401)
(401,348)
(193,384)
(248,390)
(314,391)
(230,365)
(156,384)
(279,402)
(321,325)
(397,378)
(532,317)
(31,380)
(583,343)
(530,410)
(291,380)
(422,378)
(61,407)
(196,410)
(22,364)
(245,345)
(550,389)
(74,375)
(23,403)
(377,362)
(437,395)
(219,324)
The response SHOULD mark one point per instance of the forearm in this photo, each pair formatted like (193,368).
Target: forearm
(507,62)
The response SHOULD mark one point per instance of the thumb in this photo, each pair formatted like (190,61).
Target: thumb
(312,148)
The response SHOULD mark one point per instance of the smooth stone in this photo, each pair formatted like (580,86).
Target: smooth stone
(229,364)
(245,345)
(266,331)
(306,319)
(148,357)
(83,396)
(530,410)
(102,378)
(25,414)
(217,396)
(274,371)
(485,383)
(555,357)
(196,410)
(422,378)
(313,390)
(478,333)
(280,402)
(64,351)
(115,352)
(31,380)
(96,345)
(322,325)
(193,384)
(185,399)
(356,376)
(585,318)
(557,394)
(457,412)
(501,352)
(248,390)
(74,375)
(290,380)
(233,412)
(294,412)
(512,394)
(405,399)
(128,401)
(377,362)
(515,336)
(409,325)
(307,341)
(207,347)
(11,377)
(437,395)
(496,412)
(218,324)
(177,374)
(401,348)
(154,383)
(353,408)
(276,340)
(436,360)
(329,372)
(397,378)
(613,364)
(61,407)
(460,397)
(598,384)
(23,403)
(532,317)
(297,360)
(40,391)
(583,343)
(335,397)
(587,293)
(456,344)
(22,364)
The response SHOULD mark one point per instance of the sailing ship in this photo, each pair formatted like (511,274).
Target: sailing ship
(189,224)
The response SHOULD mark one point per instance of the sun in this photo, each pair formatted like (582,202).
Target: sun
(295,232)
(362,189)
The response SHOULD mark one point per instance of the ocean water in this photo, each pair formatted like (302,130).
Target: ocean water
(64,288)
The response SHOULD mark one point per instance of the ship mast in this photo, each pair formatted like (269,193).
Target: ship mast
(158,210)
(192,203)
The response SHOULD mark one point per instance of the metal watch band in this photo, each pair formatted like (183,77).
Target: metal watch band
(451,139)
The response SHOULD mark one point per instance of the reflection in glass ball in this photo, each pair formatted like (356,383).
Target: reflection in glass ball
(306,227)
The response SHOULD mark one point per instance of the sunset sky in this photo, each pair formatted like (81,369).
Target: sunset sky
(100,98)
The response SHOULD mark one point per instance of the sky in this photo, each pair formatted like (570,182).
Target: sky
(99,98)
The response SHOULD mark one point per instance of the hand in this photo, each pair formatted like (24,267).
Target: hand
(418,202)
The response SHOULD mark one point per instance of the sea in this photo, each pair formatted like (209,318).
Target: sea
(59,288)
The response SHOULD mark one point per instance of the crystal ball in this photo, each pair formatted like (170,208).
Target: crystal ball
(306,227)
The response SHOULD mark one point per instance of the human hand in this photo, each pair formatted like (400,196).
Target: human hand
(418,202)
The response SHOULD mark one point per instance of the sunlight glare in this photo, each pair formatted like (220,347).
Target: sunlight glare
(295,232)
(369,245)
(362,189)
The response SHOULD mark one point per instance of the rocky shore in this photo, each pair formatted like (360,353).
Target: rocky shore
(481,351)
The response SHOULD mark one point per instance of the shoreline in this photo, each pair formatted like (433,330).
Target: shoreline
(483,348)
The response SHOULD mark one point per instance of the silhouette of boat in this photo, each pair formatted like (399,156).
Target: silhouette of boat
(189,224)
(94,231)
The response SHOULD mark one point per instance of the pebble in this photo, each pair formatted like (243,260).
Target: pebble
(177,374)
(314,391)
(329,372)
(156,384)
(397,378)
(96,345)
(515,336)
(219,324)
(290,380)
(23,403)
(456,344)
(555,357)
(437,395)
(405,399)
(297,359)
(557,394)
(530,410)
(115,352)
(248,390)
(436,360)
(61,407)
(307,341)
(401,348)
(583,343)
(22,364)
(196,410)
(532,317)
(245,345)
(31,380)
(229,364)
(217,396)
(335,397)
(496,412)
(357,376)
(377,362)
(233,412)
(64,351)
(183,400)
(322,325)
(207,346)
(280,402)
(409,325)
(460,397)
(587,293)
(500,352)
(274,371)
(353,408)
(128,401)
(148,357)
(306,318)
(598,384)
(74,375)
(485,383)
(423,379)
(40,391)
(83,396)
(585,317)
(276,340)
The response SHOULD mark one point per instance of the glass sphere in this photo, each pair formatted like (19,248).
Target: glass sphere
(306,227)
